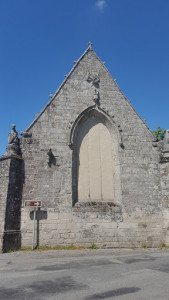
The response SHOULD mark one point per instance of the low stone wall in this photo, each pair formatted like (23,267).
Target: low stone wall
(53,228)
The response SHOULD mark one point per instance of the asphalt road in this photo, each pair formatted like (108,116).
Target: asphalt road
(87,275)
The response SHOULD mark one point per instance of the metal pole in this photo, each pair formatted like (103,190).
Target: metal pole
(33,237)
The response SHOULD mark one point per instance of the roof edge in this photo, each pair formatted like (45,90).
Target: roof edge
(130,104)
(60,87)
(67,77)
(126,99)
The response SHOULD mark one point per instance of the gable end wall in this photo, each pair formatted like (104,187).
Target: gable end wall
(136,218)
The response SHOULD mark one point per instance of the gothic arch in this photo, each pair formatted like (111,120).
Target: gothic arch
(95,143)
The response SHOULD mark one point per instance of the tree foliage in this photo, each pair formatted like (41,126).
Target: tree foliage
(159,133)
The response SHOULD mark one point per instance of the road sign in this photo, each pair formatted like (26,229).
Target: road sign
(33,203)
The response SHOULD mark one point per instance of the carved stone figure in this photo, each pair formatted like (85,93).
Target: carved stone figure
(52,159)
(13,140)
(26,134)
(166,141)
(95,96)
(13,136)
(93,77)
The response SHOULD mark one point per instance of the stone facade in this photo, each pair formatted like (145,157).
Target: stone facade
(99,171)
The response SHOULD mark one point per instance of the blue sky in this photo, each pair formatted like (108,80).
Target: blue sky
(40,39)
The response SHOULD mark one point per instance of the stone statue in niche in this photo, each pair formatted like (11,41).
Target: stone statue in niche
(166,141)
(94,78)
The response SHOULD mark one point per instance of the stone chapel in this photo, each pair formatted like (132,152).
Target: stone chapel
(99,172)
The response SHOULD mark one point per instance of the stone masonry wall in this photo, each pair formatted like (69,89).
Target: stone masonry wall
(11,196)
(135,217)
(4,180)
(164,164)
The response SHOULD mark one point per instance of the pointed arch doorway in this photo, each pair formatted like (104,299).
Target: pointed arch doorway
(94,163)
(95,170)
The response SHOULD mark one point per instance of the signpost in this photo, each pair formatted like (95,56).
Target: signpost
(34,204)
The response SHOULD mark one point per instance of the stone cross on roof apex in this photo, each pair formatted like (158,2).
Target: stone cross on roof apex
(90,44)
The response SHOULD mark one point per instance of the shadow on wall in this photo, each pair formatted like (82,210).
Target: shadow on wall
(40,215)
(12,233)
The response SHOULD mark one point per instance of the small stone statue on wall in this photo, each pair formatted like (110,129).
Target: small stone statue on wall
(13,140)
(51,157)
(94,78)
(95,96)
(166,141)
(13,136)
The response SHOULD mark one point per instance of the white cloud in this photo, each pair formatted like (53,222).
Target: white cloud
(100,4)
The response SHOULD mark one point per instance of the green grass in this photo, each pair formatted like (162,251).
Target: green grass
(164,246)
(93,246)
(46,248)
(144,246)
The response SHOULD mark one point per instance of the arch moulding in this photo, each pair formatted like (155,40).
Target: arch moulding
(102,115)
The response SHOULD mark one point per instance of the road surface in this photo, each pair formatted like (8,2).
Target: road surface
(85,275)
